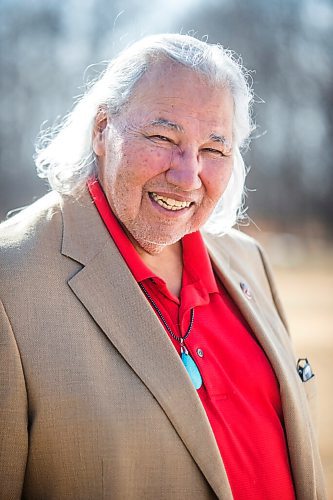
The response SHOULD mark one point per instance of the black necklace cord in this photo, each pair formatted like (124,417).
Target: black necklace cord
(153,303)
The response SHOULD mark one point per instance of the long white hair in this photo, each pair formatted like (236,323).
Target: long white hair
(64,154)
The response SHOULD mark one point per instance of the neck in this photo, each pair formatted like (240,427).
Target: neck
(167,264)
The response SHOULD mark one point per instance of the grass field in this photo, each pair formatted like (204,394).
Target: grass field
(304,275)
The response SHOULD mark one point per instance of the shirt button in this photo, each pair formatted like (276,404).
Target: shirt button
(200,353)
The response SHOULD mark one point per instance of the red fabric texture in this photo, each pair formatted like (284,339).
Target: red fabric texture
(240,393)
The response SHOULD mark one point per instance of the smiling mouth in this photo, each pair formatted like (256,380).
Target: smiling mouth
(170,203)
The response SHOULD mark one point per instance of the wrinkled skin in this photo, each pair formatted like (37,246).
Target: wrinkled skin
(171,142)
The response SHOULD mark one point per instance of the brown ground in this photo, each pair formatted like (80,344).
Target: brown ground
(304,275)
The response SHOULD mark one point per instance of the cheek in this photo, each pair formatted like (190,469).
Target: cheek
(134,169)
(217,180)
(142,164)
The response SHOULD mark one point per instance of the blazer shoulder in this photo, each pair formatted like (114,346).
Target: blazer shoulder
(235,244)
(34,228)
(247,257)
(26,221)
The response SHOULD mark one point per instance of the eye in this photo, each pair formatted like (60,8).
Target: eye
(215,152)
(159,138)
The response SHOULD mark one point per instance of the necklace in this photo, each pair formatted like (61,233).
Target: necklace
(188,361)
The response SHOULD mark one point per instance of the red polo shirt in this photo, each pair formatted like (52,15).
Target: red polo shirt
(240,392)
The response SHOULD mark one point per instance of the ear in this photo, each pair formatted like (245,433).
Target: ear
(99,132)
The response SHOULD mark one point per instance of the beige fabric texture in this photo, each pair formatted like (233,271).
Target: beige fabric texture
(94,400)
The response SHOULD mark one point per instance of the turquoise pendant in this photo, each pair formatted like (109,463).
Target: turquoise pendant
(191,368)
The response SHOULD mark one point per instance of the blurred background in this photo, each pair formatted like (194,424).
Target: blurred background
(49,50)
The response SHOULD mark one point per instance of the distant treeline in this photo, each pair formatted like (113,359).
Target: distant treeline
(46,47)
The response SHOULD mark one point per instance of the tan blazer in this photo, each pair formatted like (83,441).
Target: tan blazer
(94,400)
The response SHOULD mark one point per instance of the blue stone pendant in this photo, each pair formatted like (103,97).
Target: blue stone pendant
(191,367)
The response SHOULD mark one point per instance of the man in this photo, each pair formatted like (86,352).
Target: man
(139,358)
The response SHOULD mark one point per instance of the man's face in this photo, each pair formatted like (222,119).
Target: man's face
(165,161)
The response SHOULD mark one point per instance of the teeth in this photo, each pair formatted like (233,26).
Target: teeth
(169,203)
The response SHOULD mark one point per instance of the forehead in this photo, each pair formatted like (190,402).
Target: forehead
(173,92)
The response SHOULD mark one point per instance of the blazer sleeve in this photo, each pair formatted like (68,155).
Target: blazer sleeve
(13,414)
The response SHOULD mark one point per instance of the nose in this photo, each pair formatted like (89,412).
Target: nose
(184,171)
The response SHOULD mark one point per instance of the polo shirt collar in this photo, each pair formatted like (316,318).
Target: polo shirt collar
(136,265)
(198,279)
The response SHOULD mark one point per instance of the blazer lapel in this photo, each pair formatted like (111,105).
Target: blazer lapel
(272,337)
(109,292)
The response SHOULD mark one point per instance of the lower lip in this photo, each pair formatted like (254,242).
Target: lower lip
(165,211)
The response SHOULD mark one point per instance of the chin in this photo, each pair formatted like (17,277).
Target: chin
(154,246)
(156,240)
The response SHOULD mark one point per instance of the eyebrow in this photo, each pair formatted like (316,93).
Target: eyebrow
(162,122)
(220,138)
